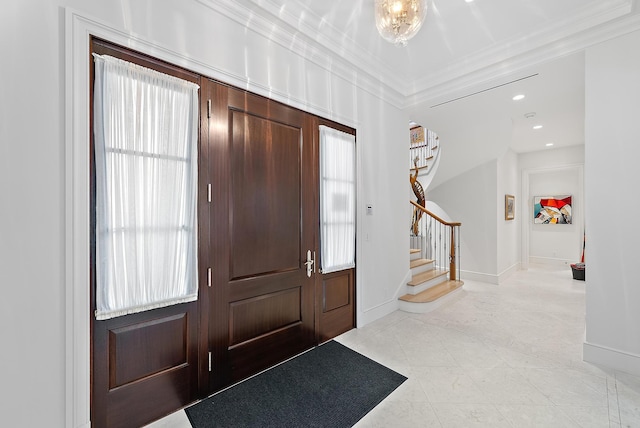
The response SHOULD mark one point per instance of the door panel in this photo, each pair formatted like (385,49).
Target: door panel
(337,292)
(157,345)
(147,365)
(265,196)
(265,215)
(260,315)
(336,306)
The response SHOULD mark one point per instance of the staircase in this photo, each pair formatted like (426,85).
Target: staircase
(429,287)
(435,243)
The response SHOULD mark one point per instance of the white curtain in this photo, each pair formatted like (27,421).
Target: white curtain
(146,133)
(337,200)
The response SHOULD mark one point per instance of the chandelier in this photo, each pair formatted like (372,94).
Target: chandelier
(399,20)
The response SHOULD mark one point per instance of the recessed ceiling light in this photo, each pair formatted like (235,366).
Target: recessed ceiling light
(530,114)
(468,1)
(517,97)
(549,144)
(537,127)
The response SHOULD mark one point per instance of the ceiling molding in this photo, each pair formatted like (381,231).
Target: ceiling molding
(334,39)
(496,72)
(268,23)
(296,28)
(557,32)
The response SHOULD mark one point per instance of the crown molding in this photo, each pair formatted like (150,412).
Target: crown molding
(300,16)
(588,29)
(280,27)
(296,28)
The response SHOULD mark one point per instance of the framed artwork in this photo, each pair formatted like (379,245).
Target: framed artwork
(417,135)
(509,207)
(552,209)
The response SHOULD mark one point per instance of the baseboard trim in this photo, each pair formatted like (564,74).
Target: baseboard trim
(612,358)
(490,278)
(551,261)
(479,276)
(369,315)
(505,274)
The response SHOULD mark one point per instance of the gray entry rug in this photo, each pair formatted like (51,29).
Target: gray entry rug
(328,386)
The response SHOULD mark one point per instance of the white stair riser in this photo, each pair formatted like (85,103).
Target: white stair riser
(415,256)
(422,268)
(415,289)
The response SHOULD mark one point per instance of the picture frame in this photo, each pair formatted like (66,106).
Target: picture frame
(417,135)
(509,207)
(550,210)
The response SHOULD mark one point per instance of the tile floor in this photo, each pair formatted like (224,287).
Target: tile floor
(506,355)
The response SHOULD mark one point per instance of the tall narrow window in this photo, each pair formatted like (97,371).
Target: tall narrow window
(145,128)
(337,199)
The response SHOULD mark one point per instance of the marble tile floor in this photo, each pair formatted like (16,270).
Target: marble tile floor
(507,355)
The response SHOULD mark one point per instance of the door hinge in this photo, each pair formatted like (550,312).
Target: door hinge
(208,109)
(209,192)
(209,277)
(209,360)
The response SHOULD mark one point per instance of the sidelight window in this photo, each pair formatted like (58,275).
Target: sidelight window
(337,199)
(146,133)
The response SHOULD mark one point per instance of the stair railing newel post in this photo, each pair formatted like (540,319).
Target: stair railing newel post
(458,252)
(452,256)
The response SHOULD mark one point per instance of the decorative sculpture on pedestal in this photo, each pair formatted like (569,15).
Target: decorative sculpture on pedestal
(419,192)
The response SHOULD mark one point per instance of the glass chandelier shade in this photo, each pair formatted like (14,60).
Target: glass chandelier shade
(399,20)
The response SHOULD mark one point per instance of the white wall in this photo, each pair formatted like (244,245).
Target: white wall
(611,182)
(551,158)
(548,173)
(556,243)
(38,141)
(471,199)
(508,233)
(32,307)
(491,247)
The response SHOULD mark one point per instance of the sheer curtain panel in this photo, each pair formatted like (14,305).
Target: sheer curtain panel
(146,134)
(337,200)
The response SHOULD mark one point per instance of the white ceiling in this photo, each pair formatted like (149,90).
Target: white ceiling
(458,75)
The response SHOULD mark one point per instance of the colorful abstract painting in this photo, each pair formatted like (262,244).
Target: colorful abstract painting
(552,209)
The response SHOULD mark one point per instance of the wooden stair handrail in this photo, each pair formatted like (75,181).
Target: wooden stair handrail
(426,211)
(452,250)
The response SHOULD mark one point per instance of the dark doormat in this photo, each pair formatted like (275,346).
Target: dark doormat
(328,386)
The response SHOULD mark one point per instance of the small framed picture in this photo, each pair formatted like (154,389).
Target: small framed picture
(417,135)
(509,207)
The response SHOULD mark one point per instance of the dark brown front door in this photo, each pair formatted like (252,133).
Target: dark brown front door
(335,291)
(258,219)
(144,365)
(264,221)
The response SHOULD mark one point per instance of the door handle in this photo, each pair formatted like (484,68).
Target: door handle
(309,263)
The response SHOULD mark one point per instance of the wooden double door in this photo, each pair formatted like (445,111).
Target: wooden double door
(264,217)
(261,297)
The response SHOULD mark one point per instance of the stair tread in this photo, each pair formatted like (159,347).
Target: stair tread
(426,276)
(414,250)
(434,293)
(419,262)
